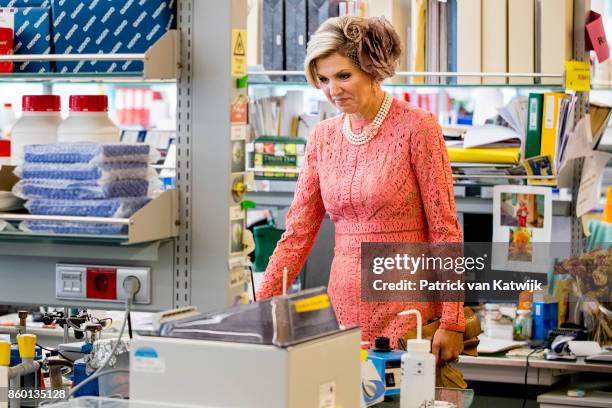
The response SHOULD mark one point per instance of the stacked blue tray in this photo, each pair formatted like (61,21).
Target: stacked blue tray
(85,180)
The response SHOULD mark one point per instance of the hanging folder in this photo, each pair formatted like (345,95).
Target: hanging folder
(295,36)
(469,39)
(319,11)
(274,38)
(550,120)
(534,125)
(521,39)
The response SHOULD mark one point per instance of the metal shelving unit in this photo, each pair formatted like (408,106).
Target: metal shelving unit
(156,221)
(191,269)
(162,63)
(260,79)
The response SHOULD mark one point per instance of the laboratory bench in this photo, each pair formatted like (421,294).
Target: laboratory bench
(500,369)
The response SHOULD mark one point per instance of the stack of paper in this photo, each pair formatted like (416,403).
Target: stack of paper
(276,115)
(488,144)
(264,115)
(491,137)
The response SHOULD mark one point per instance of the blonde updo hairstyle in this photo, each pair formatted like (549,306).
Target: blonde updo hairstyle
(371,43)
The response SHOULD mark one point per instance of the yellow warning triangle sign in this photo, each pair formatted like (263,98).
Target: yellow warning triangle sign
(239,47)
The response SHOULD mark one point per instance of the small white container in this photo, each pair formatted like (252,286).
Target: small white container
(88,121)
(7,120)
(418,378)
(38,124)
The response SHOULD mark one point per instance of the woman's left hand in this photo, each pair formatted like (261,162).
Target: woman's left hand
(447,345)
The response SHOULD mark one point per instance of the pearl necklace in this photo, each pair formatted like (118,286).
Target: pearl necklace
(369,132)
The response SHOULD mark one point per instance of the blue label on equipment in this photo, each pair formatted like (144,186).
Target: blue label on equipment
(146,352)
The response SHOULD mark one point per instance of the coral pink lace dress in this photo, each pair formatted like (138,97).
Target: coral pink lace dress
(395,188)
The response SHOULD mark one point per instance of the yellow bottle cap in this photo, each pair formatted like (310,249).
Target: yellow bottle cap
(27,345)
(5,354)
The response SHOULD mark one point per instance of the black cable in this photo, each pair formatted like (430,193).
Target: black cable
(129,319)
(253,285)
(526,373)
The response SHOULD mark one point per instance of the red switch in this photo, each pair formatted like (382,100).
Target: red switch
(102,283)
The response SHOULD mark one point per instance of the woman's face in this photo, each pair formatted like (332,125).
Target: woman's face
(347,87)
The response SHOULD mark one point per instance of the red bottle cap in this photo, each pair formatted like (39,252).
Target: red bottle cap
(41,103)
(8,105)
(5,148)
(89,103)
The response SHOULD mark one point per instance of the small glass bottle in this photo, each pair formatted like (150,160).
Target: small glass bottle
(522,325)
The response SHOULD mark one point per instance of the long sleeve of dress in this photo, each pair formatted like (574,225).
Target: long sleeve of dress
(433,172)
(302,225)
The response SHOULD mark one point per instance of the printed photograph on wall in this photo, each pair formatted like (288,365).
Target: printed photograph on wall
(522,220)
(520,246)
(522,210)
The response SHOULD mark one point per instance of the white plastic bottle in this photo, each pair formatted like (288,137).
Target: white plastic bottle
(88,121)
(7,120)
(38,124)
(418,372)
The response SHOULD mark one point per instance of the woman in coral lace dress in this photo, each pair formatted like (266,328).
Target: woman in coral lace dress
(382,173)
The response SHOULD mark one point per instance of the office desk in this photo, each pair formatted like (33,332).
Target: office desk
(559,399)
(498,368)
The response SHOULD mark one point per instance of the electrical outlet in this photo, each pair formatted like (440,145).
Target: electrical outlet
(143,296)
(100,282)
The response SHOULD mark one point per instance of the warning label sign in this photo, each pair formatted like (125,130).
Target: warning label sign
(239,64)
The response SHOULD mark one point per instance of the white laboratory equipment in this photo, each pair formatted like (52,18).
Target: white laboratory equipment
(319,373)
(418,378)
(284,352)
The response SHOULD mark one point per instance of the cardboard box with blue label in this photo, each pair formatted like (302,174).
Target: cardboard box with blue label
(32,32)
(25,3)
(109,26)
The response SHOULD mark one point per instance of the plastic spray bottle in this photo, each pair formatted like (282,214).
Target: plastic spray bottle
(418,372)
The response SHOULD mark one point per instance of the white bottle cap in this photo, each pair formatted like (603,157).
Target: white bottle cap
(419,324)
(418,346)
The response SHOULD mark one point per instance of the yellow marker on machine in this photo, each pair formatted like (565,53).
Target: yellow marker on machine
(5,354)
(5,361)
(27,346)
(311,304)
